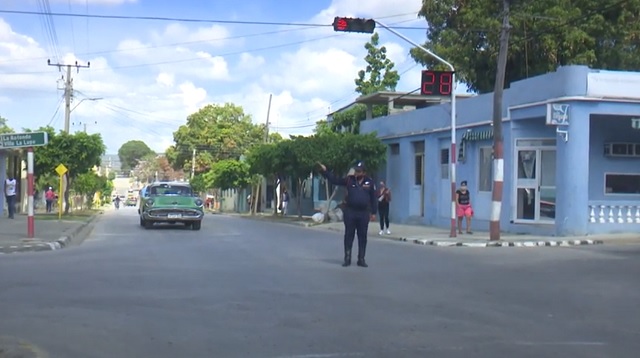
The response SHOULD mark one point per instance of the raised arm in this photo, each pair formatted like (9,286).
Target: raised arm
(331,177)
(334,179)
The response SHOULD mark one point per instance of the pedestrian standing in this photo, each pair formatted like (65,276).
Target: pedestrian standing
(384,198)
(10,194)
(285,202)
(463,207)
(360,208)
(50,196)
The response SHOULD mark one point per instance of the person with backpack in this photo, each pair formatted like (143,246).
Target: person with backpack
(360,207)
(384,198)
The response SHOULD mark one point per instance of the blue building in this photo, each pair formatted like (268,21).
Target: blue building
(572,155)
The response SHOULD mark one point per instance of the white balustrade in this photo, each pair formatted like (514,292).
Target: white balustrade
(614,213)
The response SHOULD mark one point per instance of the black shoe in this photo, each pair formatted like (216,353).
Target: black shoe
(347,259)
(361,263)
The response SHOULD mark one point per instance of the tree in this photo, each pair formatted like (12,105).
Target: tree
(349,119)
(339,151)
(88,184)
(131,152)
(377,76)
(4,126)
(229,174)
(545,34)
(79,152)
(266,160)
(215,132)
(300,156)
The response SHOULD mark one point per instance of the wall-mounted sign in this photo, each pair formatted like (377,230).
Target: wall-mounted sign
(557,114)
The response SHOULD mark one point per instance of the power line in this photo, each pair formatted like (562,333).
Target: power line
(177,19)
(105,52)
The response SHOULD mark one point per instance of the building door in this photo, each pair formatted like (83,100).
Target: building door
(417,191)
(419,179)
(535,189)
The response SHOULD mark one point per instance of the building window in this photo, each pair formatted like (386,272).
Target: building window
(444,163)
(485,169)
(419,168)
(394,148)
(622,183)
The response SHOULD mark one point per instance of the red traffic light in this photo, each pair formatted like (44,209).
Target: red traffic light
(341,24)
(349,24)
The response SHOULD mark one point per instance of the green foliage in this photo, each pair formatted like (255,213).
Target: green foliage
(88,184)
(131,152)
(216,132)
(322,127)
(112,175)
(228,174)
(199,183)
(349,119)
(79,152)
(4,126)
(342,150)
(379,74)
(544,34)
(265,159)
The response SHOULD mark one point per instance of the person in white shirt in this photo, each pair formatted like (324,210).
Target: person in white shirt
(10,194)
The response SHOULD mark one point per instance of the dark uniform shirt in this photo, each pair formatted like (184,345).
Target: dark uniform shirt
(360,195)
(463,198)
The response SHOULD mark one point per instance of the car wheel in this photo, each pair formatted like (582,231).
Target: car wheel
(196,225)
(142,222)
(148,225)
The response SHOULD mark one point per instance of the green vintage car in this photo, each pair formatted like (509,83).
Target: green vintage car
(171,203)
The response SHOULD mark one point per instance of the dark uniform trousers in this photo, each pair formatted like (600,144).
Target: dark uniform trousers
(356,220)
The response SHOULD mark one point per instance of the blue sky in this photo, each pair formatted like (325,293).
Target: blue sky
(150,75)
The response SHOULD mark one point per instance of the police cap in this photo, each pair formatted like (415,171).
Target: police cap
(359,166)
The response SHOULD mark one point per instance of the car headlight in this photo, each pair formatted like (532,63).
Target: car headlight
(199,202)
(149,202)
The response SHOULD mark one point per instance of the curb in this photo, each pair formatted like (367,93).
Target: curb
(544,243)
(451,243)
(292,223)
(60,243)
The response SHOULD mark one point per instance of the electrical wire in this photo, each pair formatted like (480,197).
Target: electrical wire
(177,19)
(57,110)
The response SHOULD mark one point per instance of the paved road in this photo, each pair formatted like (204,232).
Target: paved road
(242,288)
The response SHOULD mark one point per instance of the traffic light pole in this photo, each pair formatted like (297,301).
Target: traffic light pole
(452,159)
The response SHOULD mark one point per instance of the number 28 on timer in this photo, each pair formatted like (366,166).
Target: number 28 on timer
(437,83)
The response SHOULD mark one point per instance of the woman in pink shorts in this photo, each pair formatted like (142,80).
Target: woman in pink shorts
(464,209)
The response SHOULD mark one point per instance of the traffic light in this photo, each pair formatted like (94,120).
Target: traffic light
(349,24)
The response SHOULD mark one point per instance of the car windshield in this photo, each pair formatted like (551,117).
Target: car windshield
(168,189)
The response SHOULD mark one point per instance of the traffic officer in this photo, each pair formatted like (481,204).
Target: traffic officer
(361,206)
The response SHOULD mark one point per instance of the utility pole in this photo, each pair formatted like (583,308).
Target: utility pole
(193,163)
(498,144)
(68,89)
(261,190)
(266,129)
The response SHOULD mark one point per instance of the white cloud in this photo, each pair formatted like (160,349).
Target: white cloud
(149,102)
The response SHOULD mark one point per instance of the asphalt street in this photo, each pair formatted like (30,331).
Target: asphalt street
(244,288)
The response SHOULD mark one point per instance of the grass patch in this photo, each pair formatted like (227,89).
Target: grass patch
(79,215)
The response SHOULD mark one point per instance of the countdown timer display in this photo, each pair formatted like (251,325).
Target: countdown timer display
(436,83)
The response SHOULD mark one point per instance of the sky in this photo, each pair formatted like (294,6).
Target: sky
(146,76)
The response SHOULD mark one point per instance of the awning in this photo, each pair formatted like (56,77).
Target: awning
(472,136)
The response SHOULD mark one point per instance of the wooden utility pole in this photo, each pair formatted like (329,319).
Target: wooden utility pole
(498,144)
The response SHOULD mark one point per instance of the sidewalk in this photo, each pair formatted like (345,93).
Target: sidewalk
(427,235)
(50,234)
